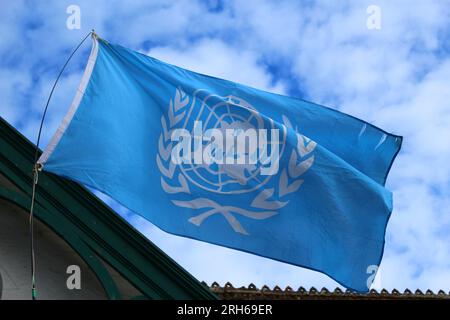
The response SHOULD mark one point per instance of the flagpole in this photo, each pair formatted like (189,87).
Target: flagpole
(38,167)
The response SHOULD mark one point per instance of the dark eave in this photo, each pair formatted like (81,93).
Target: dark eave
(91,228)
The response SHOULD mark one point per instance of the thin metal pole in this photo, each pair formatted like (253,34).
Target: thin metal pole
(37,168)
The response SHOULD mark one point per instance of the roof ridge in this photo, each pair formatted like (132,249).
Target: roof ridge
(254,290)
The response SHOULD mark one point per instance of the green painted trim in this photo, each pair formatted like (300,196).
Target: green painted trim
(98,227)
(68,234)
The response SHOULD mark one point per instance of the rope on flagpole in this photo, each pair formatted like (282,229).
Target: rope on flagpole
(37,167)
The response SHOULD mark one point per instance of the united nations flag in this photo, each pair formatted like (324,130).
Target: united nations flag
(221,162)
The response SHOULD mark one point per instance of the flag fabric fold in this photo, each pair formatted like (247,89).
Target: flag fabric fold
(228,164)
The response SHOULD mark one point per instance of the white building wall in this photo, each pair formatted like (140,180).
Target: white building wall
(53,256)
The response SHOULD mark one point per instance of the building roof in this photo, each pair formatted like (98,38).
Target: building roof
(228,292)
(97,233)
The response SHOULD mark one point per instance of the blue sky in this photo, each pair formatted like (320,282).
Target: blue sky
(396,77)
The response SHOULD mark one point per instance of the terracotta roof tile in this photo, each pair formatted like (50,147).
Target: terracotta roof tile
(228,291)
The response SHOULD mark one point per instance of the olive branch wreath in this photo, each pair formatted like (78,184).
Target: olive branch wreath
(300,161)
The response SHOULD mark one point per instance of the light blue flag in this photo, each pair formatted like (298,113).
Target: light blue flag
(224,163)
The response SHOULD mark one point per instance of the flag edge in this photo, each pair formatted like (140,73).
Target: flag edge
(74,105)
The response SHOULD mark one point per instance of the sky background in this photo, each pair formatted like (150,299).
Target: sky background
(396,77)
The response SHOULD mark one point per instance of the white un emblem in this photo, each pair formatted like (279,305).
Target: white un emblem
(223,146)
